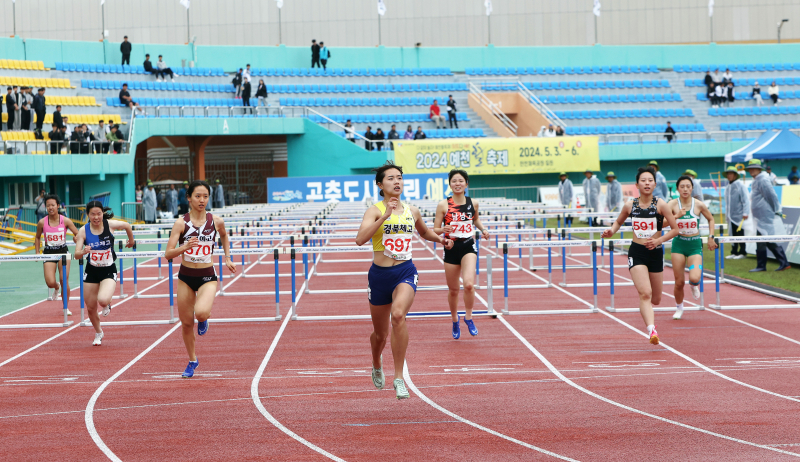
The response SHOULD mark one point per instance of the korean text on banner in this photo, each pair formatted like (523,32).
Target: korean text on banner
(353,188)
(499,155)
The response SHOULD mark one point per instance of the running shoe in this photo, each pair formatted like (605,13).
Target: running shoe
(378,379)
(107,310)
(473,331)
(739,257)
(457,330)
(98,339)
(400,389)
(678,313)
(696,292)
(69,313)
(654,337)
(202,327)
(189,372)
(730,257)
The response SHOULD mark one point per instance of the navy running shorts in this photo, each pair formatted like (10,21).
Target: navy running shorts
(384,279)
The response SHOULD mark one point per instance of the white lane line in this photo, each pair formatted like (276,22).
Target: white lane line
(410,383)
(754,326)
(568,381)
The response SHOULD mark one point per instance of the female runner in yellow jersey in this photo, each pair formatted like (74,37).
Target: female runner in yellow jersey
(392,278)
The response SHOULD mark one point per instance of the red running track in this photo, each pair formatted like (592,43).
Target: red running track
(528,387)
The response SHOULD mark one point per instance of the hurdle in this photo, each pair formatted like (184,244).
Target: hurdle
(56,258)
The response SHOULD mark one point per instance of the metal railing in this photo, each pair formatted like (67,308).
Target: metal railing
(655,137)
(133,211)
(484,101)
(65,147)
(540,106)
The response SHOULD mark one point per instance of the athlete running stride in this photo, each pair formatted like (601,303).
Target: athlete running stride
(197,232)
(645,255)
(53,228)
(459,215)
(687,247)
(96,239)
(392,277)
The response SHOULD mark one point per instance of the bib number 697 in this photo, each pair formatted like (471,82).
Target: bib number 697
(398,244)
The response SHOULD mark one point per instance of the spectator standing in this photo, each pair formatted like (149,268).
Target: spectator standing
(756,94)
(613,193)
(719,93)
(737,207)
(434,114)
(711,94)
(420,135)
(261,93)
(139,193)
(90,139)
(246,89)
(29,99)
(149,203)
(409,134)
(101,148)
(1,113)
(172,201)
(662,190)
(183,200)
(708,80)
(148,67)
(246,73)
(64,134)
(731,94)
(25,112)
(164,70)
(765,207)
(565,194)
(125,49)
(114,140)
(237,83)
(11,108)
(324,55)
(716,77)
(369,136)
(41,209)
(17,108)
(669,132)
(67,128)
(40,107)
(314,54)
(793,176)
(727,77)
(77,140)
(108,126)
(392,135)
(379,137)
(774,93)
(349,131)
(773,178)
(58,121)
(591,191)
(451,111)
(697,188)
(125,99)
(56,139)
(219,196)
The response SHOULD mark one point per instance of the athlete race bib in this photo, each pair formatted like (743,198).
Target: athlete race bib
(200,254)
(55,239)
(462,229)
(687,227)
(397,246)
(100,258)
(644,227)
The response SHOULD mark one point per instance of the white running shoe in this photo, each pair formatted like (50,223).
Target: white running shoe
(98,339)
(400,389)
(739,257)
(696,292)
(378,379)
(69,313)
(730,257)
(107,310)
(678,313)
(173,80)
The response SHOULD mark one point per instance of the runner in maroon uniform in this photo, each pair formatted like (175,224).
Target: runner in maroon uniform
(196,233)
(459,215)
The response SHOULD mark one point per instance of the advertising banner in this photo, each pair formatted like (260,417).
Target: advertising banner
(488,156)
(353,188)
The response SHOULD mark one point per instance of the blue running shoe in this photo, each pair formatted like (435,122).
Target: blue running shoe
(473,331)
(202,327)
(456,330)
(189,372)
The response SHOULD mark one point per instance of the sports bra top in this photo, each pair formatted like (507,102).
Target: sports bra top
(689,222)
(394,236)
(460,217)
(205,234)
(646,221)
(55,237)
(101,246)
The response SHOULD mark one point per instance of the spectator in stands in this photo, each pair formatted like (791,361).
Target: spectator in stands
(1,113)
(547,132)
(591,192)
(219,195)
(731,93)
(57,119)
(379,137)
(11,108)
(164,70)
(369,136)
(721,94)
(613,193)
(28,95)
(756,94)
(420,135)
(324,55)
(708,80)
(172,201)
(766,208)
(109,125)
(77,140)
(727,76)
(349,131)
(148,67)
(237,83)
(773,178)
(139,194)
(41,208)
(40,107)
(774,93)
(55,139)
(102,147)
(67,128)
(125,48)
(17,108)
(125,99)
(246,93)
(793,176)
(662,190)
(246,73)
(314,54)
(669,132)
(409,134)
(737,207)
(716,77)
(434,112)
(565,194)
(559,131)
(183,201)
(114,137)
(149,203)
(392,135)
(25,111)
(261,93)
(711,93)
(452,111)
(90,139)
(64,134)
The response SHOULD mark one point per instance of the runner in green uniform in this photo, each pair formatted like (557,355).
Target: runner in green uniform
(687,247)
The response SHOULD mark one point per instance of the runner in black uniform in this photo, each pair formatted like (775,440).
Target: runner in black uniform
(457,218)
(645,255)
(100,276)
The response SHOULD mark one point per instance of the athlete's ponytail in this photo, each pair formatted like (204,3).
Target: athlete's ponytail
(107,212)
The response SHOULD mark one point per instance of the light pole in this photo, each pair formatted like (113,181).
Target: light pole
(780,24)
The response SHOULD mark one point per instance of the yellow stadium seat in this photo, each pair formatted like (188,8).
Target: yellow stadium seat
(40,65)
(27,65)
(5,117)
(64,83)
(4,63)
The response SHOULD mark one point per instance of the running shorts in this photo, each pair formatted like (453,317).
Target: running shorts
(196,277)
(54,251)
(687,246)
(384,279)
(96,274)
(460,248)
(640,255)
